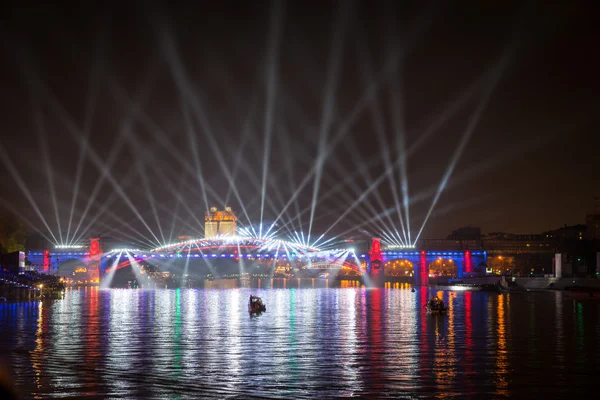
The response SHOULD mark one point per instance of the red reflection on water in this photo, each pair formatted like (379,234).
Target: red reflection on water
(373,353)
(469,371)
(424,361)
(92,351)
(468,321)
(423,297)
(376,338)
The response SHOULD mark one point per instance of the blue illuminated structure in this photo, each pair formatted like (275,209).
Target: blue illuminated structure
(238,249)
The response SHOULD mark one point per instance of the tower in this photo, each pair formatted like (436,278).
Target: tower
(376,267)
(94,256)
(217,223)
(211,224)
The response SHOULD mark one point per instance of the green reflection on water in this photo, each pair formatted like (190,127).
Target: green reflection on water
(177,336)
(177,343)
(580,333)
(293,342)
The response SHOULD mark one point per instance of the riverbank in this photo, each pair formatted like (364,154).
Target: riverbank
(13,293)
(530,283)
(10,292)
(556,283)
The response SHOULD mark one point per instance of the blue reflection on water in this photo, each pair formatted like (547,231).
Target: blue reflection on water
(311,343)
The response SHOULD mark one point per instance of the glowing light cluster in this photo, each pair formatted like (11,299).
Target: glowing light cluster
(124,250)
(176,244)
(65,246)
(217,255)
(339,251)
(245,241)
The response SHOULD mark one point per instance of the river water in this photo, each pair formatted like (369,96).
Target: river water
(310,343)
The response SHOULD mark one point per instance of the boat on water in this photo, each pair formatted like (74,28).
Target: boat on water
(256,305)
(583,293)
(465,286)
(436,306)
(502,286)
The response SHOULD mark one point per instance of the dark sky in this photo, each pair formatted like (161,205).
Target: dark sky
(156,106)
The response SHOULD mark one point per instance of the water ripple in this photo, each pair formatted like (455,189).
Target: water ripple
(311,343)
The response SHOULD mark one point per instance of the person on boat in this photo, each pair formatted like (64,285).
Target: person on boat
(434,303)
(255,301)
(441,304)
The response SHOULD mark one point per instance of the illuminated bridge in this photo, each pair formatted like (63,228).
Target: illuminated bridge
(230,255)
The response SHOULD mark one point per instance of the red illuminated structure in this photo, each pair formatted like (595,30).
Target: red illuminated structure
(376,265)
(468,263)
(423,273)
(94,260)
(46,261)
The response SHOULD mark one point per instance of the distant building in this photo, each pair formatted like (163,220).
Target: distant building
(13,262)
(513,236)
(465,233)
(220,223)
(592,222)
(572,232)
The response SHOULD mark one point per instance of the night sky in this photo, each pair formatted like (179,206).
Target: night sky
(160,111)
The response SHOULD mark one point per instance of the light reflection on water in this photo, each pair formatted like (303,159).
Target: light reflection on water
(311,343)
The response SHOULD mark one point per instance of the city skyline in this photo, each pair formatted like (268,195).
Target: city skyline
(344,118)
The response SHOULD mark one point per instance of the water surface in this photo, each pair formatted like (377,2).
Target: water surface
(311,343)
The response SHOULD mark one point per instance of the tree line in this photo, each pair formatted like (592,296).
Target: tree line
(13,235)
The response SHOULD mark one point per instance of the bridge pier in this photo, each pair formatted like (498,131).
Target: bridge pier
(46,261)
(468,264)
(375,269)
(94,255)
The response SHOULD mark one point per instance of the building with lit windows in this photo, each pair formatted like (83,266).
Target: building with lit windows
(220,223)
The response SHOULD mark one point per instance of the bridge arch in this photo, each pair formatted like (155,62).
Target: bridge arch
(72,267)
(444,266)
(399,267)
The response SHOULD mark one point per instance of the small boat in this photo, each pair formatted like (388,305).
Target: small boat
(256,305)
(465,287)
(583,293)
(436,306)
(437,311)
